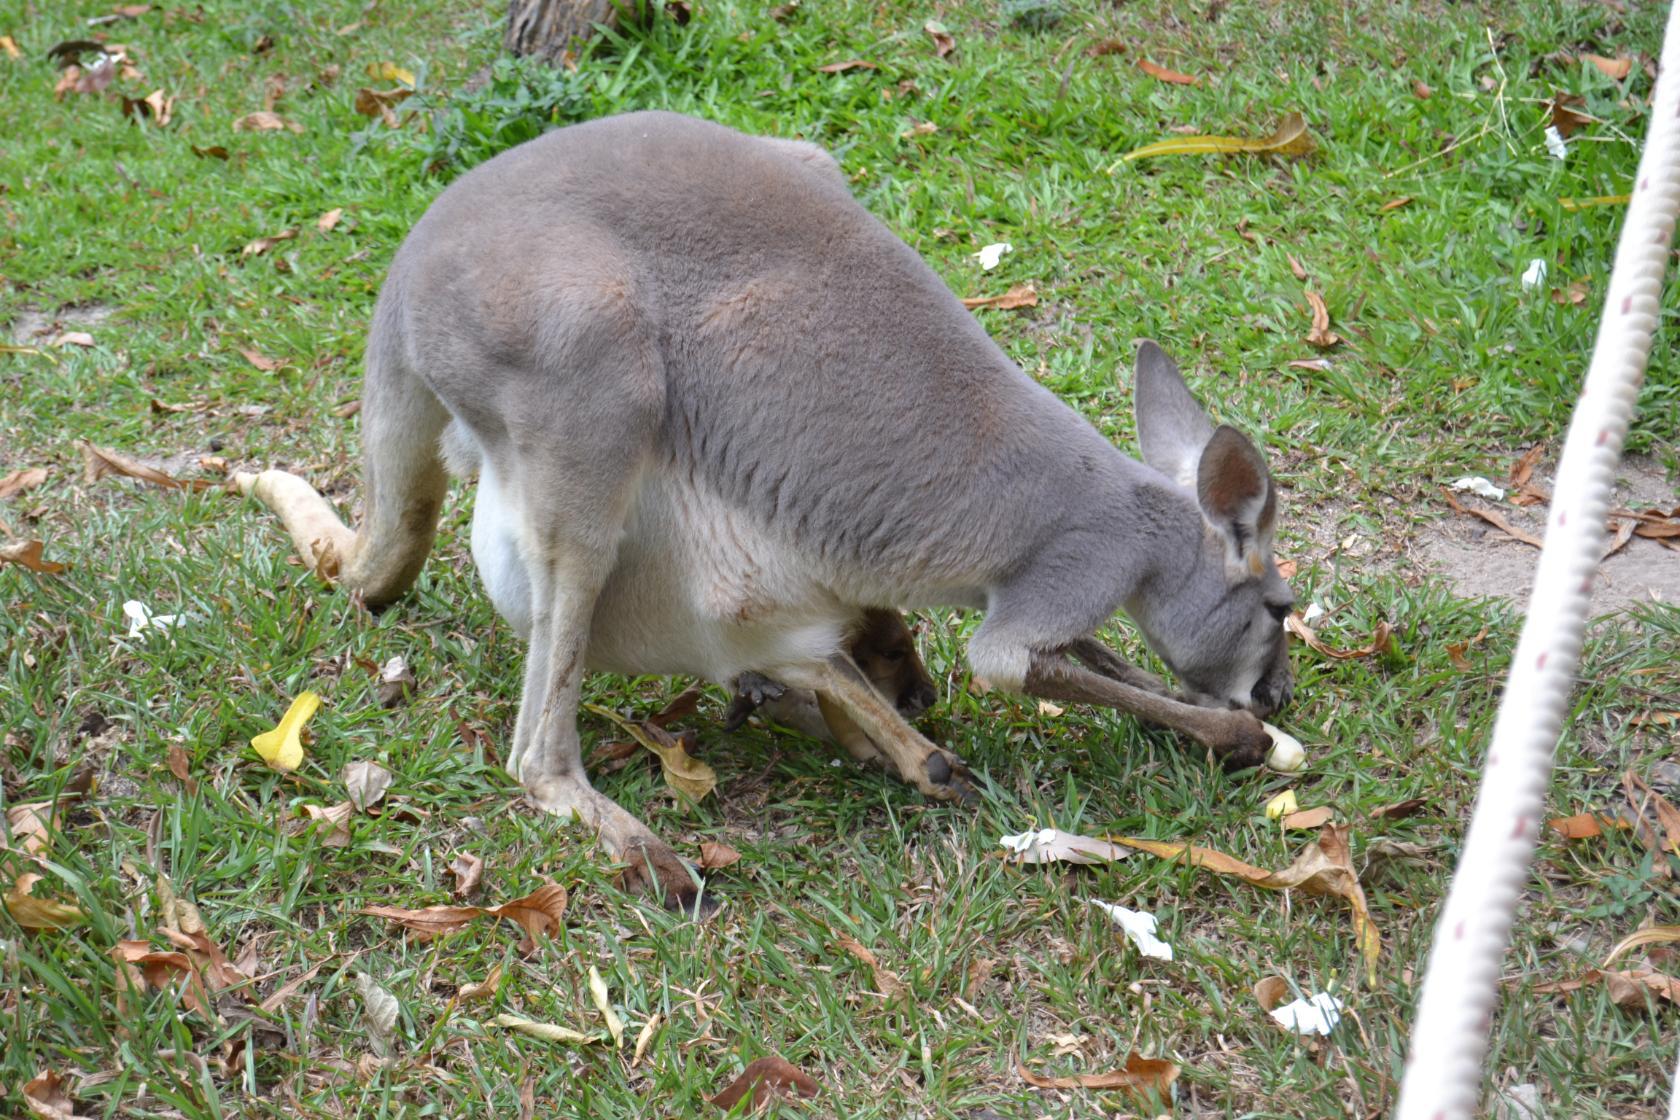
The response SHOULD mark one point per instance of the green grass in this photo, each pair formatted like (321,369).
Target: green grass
(1449,368)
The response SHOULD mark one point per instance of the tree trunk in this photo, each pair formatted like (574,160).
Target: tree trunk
(546,28)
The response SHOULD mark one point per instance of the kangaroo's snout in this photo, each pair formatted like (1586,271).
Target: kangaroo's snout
(1276,686)
(917,698)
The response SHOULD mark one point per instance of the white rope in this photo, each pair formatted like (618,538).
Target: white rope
(1443,1076)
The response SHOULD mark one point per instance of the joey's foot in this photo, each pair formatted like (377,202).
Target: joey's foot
(752,691)
(1241,743)
(950,776)
(653,869)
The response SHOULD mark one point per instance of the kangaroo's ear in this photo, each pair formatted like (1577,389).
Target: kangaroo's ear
(1172,428)
(1238,500)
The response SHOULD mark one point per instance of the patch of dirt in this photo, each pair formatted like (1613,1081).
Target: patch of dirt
(31,325)
(1482,562)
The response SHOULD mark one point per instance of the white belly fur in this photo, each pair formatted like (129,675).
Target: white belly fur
(697,590)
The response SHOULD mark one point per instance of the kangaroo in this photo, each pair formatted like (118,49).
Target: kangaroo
(721,412)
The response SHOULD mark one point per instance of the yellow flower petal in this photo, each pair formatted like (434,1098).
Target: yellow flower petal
(1282,805)
(282,748)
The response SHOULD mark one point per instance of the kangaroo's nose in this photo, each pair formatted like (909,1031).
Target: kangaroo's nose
(916,699)
(1270,697)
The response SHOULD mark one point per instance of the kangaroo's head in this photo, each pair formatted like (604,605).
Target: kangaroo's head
(1216,616)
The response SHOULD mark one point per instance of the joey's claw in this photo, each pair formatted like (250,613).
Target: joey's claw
(951,774)
(1245,744)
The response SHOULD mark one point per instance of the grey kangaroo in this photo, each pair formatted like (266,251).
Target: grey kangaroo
(719,412)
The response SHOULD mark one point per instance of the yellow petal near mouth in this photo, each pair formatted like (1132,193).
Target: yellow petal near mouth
(282,748)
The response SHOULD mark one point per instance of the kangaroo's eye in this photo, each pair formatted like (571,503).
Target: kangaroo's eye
(1279,611)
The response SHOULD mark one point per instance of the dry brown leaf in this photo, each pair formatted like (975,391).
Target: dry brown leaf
(943,43)
(1321,335)
(1161,73)
(27,554)
(1523,468)
(1020,295)
(1271,991)
(265,121)
(45,1096)
(155,106)
(684,773)
(1627,990)
(1585,826)
(849,64)
(1398,809)
(97,462)
(366,783)
(1650,935)
(31,912)
(31,825)
(1381,639)
(764,1080)
(212,151)
(1145,1075)
(920,128)
(886,980)
(482,989)
(1564,117)
(74,338)
(1618,539)
(20,480)
(1394,204)
(1613,68)
(160,970)
(1105,47)
(1324,867)
(256,248)
(1308,819)
(328,221)
(1642,797)
(539,913)
(468,870)
(1494,519)
(715,856)
(683,705)
(396,682)
(335,822)
(208,958)
(382,103)
(256,357)
(9,46)
(1421,91)
(1296,268)
(181,767)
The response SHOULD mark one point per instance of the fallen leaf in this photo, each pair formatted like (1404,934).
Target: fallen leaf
(1421,91)
(160,969)
(256,248)
(1052,845)
(468,869)
(31,825)
(1650,935)
(1457,652)
(1290,139)
(381,103)
(1296,268)
(97,462)
(849,64)
(212,151)
(1563,116)
(38,913)
(10,47)
(921,128)
(1323,867)
(396,681)
(1147,1075)
(715,856)
(265,121)
(207,957)
(335,820)
(1613,68)
(943,43)
(539,913)
(390,72)
(548,1032)
(1271,991)
(1105,47)
(379,1013)
(1494,519)
(74,338)
(1627,990)
(1394,204)
(1139,927)
(1309,818)
(683,772)
(1318,365)
(1020,295)
(764,1080)
(20,480)
(886,980)
(1381,639)
(1161,73)
(282,748)
(1618,540)
(646,1036)
(256,357)
(27,554)
(483,989)
(1321,335)
(180,766)
(1585,826)
(1398,809)
(326,222)
(44,1093)
(1573,296)
(154,106)
(598,994)
(175,912)
(366,783)
(1642,797)
(290,988)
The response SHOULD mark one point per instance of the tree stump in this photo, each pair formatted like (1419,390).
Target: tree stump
(546,28)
